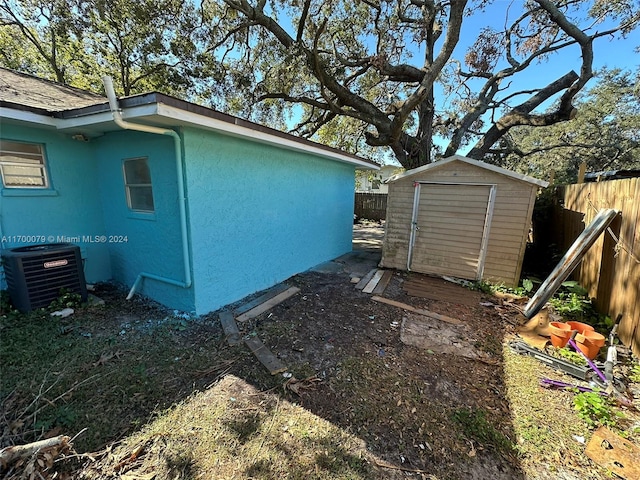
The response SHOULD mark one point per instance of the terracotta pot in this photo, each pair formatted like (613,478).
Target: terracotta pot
(590,343)
(560,333)
(580,327)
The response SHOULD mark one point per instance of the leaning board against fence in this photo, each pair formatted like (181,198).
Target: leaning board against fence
(611,268)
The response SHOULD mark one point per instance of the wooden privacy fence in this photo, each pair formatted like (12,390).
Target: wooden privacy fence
(372,206)
(610,270)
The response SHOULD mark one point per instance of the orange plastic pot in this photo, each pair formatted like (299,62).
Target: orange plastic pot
(560,334)
(580,327)
(590,343)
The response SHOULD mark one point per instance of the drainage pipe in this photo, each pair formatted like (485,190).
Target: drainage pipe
(117,118)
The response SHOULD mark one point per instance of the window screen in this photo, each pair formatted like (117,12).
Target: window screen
(22,165)
(137,180)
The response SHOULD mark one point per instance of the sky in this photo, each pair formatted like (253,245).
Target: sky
(607,51)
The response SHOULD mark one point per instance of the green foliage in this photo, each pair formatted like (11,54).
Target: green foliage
(634,375)
(525,287)
(572,286)
(66,299)
(63,416)
(604,133)
(5,303)
(595,409)
(482,286)
(475,426)
(571,301)
(570,355)
(144,45)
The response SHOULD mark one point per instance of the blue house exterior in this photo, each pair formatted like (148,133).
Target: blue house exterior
(188,206)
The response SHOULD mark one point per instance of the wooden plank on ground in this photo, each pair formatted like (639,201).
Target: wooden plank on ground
(441,295)
(266,357)
(382,284)
(368,288)
(269,304)
(615,453)
(419,311)
(268,294)
(361,284)
(439,289)
(230,328)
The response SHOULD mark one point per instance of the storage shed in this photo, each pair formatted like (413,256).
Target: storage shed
(459,217)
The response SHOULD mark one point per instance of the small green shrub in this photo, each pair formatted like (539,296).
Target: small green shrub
(66,299)
(572,302)
(5,303)
(634,375)
(524,289)
(595,409)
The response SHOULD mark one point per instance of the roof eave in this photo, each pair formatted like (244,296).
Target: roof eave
(470,161)
(150,105)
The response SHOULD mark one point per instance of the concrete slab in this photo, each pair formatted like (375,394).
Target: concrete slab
(366,254)
(328,267)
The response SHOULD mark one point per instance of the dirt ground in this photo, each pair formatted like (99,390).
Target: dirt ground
(350,341)
(427,398)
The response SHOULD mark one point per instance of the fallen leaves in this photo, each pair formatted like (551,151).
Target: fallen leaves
(106,357)
(297,386)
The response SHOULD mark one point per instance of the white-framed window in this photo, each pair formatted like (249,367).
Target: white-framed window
(22,165)
(137,183)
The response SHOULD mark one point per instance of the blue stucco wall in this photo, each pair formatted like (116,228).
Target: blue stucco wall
(153,242)
(260,214)
(70,208)
(257,214)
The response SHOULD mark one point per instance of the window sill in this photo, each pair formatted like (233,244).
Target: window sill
(28,192)
(142,216)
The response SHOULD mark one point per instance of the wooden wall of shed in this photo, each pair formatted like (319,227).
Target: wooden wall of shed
(610,270)
(509,226)
(398,224)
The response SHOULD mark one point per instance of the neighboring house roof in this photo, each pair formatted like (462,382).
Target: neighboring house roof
(611,175)
(22,90)
(470,161)
(28,99)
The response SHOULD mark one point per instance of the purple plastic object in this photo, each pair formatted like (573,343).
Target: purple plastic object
(591,364)
(559,384)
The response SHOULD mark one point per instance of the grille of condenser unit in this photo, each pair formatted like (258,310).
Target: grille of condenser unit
(36,274)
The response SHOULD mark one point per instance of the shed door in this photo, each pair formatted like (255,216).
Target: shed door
(451,229)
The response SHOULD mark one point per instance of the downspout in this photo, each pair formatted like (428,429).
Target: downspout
(117,118)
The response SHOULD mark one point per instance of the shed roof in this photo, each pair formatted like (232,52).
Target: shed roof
(470,161)
(28,99)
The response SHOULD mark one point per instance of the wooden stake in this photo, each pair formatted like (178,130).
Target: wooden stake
(582,171)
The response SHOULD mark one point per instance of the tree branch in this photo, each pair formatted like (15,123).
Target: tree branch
(521,115)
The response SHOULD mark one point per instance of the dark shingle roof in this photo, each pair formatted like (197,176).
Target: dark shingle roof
(23,92)
(21,89)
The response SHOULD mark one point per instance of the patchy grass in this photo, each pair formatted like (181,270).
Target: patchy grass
(102,368)
(476,427)
(234,431)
